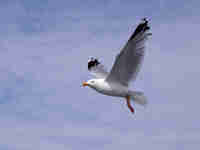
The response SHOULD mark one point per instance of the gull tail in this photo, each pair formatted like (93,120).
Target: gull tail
(138,97)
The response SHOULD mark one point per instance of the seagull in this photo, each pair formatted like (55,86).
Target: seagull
(125,69)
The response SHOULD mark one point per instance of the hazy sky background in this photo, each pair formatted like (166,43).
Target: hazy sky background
(44,48)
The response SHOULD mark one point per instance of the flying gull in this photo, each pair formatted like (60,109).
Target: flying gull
(125,69)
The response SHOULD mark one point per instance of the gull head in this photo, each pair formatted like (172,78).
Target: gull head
(90,83)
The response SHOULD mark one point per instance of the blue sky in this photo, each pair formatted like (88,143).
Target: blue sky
(44,48)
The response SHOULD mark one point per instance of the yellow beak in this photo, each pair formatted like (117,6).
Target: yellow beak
(85,84)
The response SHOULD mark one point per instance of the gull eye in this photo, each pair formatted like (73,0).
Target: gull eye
(92,81)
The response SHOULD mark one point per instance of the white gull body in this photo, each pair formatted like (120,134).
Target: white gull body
(108,88)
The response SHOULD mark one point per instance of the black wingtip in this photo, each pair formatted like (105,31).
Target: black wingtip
(145,24)
(92,62)
(142,27)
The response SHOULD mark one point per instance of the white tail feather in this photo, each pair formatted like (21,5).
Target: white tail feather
(138,97)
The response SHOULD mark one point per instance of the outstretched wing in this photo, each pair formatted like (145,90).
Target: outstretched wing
(128,62)
(96,68)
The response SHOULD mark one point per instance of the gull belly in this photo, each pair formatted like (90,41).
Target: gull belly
(111,89)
